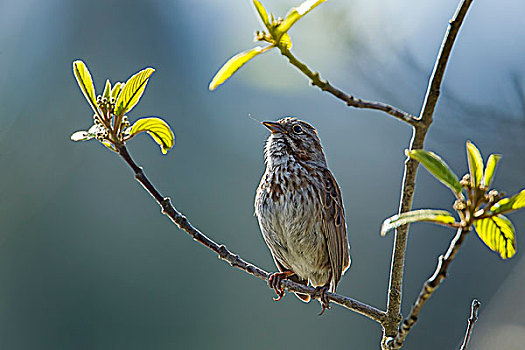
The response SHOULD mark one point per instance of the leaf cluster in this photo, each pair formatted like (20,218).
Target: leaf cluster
(476,204)
(275,34)
(110,123)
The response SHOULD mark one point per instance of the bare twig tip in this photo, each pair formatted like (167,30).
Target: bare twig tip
(474,307)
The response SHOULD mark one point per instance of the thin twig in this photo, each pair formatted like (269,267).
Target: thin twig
(350,100)
(428,289)
(471,321)
(434,86)
(419,132)
(234,260)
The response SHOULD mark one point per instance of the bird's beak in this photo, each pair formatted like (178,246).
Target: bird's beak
(274,127)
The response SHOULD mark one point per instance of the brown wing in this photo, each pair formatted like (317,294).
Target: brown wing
(334,227)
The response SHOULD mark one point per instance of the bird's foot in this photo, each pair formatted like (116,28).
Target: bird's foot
(274,281)
(323,299)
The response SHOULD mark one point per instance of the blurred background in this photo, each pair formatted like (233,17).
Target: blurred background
(87,261)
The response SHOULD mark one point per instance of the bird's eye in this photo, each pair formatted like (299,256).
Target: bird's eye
(297,129)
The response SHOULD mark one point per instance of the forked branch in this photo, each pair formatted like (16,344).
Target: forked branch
(419,132)
(428,289)
(394,334)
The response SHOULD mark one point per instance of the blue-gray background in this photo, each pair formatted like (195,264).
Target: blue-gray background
(87,261)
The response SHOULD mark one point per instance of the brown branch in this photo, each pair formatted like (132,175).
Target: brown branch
(428,289)
(390,319)
(471,321)
(350,100)
(234,260)
(419,132)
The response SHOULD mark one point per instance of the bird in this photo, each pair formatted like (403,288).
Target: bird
(299,207)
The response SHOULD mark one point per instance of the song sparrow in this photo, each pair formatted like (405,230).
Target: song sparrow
(300,210)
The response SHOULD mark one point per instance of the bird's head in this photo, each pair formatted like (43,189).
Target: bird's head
(291,137)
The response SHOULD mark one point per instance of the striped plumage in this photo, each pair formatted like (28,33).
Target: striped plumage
(300,209)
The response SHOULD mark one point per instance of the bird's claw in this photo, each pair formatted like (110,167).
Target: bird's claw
(323,299)
(274,282)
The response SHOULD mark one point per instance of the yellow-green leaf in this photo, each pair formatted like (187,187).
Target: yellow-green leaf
(295,14)
(85,82)
(107,90)
(116,90)
(81,135)
(427,215)
(286,41)
(109,145)
(437,167)
(509,204)
(233,64)
(132,91)
(475,163)
(262,13)
(498,234)
(158,129)
(490,169)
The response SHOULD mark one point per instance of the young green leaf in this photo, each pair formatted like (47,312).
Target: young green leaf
(85,136)
(286,41)
(428,215)
(295,14)
(509,204)
(437,167)
(116,90)
(233,65)
(107,90)
(475,163)
(109,145)
(88,135)
(81,135)
(262,13)
(158,129)
(490,169)
(132,91)
(85,82)
(498,234)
